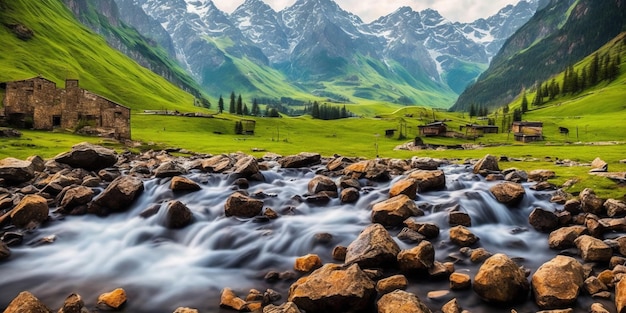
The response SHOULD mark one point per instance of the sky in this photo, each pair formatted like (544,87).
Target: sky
(369,10)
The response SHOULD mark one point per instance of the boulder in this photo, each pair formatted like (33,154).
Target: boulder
(590,203)
(76,196)
(240,205)
(541,175)
(26,302)
(488,163)
(303,159)
(592,249)
(217,164)
(349,195)
(598,165)
(16,171)
(516,176)
(120,194)
(72,304)
(410,236)
(369,169)
(417,259)
(593,285)
(229,300)
(333,288)
(424,163)
(479,255)
(499,280)
(543,220)
(563,238)
(180,183)
(185,310)
(508,193)
(429,180)
(459,218)
(307,263)
(31,209)
(429,230)
(169,169)
(321,183)
(88,156)
(407,187)
(615,208)
(598,308)
(558,291)
(373,248)
(177,215)
(462,236)
(620,296)
(394,211)
(338,163)
(401,301)
(460,281)
(451,307)
(248,167)
(392,283)
(114,299)
(287,307)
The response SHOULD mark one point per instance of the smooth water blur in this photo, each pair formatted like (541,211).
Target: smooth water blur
(162,269)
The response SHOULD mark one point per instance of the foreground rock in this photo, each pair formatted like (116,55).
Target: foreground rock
(429,180)
(118,196)
(593,249)
(508,193)
(499,280)
(488,163)
(17,171)
(287,307)
(72,304)
(373,248)
(114,299)
(553,291)
(303,159)
(88,156)
(394,211)
(334,288)
(240,205)
(417,259)
(32,209)
(178,215)
(26,302)
(401,301)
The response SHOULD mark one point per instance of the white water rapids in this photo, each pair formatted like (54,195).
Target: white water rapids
(162,269)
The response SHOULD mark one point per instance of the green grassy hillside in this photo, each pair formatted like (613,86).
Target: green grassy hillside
(62,48)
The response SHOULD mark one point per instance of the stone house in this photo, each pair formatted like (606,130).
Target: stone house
(433,129)
(37,103)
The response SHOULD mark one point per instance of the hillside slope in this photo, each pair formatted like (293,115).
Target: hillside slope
(43,37)
(558,36)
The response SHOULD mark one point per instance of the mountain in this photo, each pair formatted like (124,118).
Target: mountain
(314,47)
(44,38)
(557,36)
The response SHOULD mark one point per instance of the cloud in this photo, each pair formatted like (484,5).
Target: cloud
(369,10)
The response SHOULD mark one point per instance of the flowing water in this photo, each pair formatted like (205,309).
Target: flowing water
(162,269)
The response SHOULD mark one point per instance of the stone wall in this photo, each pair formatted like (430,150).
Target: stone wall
(39,104)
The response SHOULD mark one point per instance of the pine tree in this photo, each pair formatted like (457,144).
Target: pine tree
(553,90)
(505,109)
(238,128)
(239,110)
(255,108)
(220,104)
(344,112)
(594,69)
(231,108)
(524,107)
(315,111)
(245,110)
(517,115)
(472,110)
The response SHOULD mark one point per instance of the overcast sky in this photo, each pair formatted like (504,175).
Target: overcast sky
(369,10)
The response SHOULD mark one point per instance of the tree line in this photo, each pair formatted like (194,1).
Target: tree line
(327,112)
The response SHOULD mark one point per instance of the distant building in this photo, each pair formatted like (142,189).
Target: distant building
(433,129)
(38,103)
(477,130)
(527,131)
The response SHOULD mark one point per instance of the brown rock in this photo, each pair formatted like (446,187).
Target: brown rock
(607,277)
(32,208)
(558,291)
(307,263)
(180,183)
(459,218)
(349,195)
(339,253)
(459,281)
(563,238)
(593,285)
(333,288)
(479,255)
(417,259)
(407,187)
(373,248)
(541,175)
(178,215)
(76,196)
(338,164)
(240,205)
(428,180)
(508,193)
(543,220)
(5,252)
(451,307)
(26,302)
(392,283)
(120,194)
(287,307)
(598,165)
(615,208)
(88,156)
(573,206)
(423,163)
(303,159)
(590,203)
(429,230)
(462,236)
(14,170)
(247,167)
(169,169)
(401,301)
(592,249)
(186,310)
(39,164)
(598,308)
(73,304)
(114,299)
(394,211)
(620,296)
(321,183)
(229,300)
(488,163)
(500,280)
(410,236)
(369,169)
(217,164)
